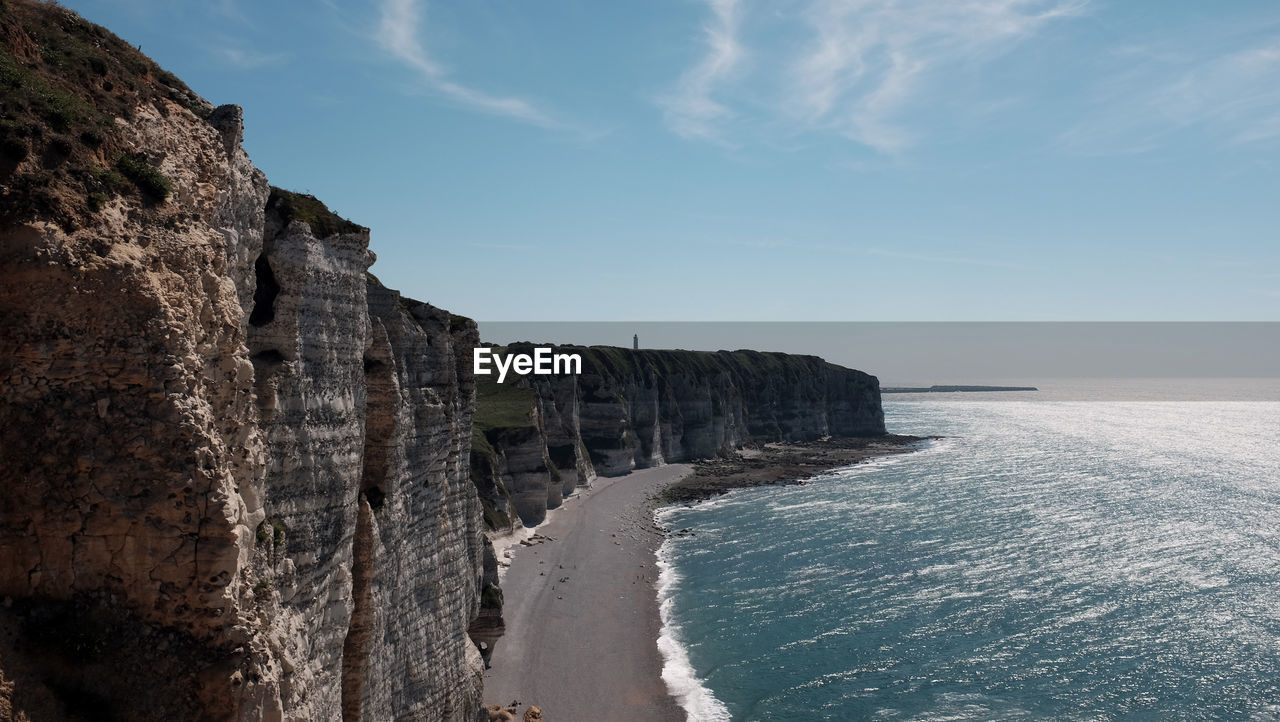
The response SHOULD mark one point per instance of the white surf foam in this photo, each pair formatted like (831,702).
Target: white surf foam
(699,703)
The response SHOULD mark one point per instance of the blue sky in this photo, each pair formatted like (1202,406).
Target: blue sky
(872,160)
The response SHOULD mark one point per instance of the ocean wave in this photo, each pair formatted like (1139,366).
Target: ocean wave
(681,679)
(1011,570)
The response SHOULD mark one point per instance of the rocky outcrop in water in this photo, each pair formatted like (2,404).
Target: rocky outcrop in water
(637,408)
(233,468)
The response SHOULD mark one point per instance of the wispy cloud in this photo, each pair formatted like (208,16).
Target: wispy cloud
(1231,94)
(861,65)
(229,9)
(690,108)
(948,260)
(398,33)
(245,59)
(871,59)
(776,244)
(501,246)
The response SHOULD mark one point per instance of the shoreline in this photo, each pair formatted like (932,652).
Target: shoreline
(581,608)
(581,594)
(782,463)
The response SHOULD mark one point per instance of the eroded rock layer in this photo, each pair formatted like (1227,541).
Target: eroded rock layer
(637,408)
(233,470)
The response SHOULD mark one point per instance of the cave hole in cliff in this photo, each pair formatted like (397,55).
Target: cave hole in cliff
(377,497)
(269,357)
(372,364)
(264,296)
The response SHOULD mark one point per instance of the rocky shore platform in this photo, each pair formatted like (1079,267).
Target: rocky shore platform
(781,463)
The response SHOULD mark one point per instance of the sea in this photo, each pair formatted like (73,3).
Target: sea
(1096,550)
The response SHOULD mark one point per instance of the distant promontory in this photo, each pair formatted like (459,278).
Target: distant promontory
(936,389)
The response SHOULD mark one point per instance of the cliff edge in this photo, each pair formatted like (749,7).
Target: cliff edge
(233,467)
(538,437)
(240,479)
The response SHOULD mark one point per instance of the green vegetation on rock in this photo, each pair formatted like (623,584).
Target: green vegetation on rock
(457,323)
(146,177)
(629,363)
(500,409)
(271,530)
(33,94)
(503,406)
(485,464)
(310,210)
(63,83)
(491,597)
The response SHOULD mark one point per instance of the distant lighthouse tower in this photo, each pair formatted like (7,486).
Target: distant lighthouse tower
(635,342)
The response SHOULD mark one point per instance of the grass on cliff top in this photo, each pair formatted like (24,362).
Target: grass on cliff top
(310,210)
(458,323)
(63,82)
(480,443)
(618,361)
(484,460)
(502,406)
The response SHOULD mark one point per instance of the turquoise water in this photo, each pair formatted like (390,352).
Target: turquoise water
(1066,560)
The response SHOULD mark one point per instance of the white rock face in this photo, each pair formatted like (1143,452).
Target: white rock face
(223,453)
(131,460)
(425,536)
(559,407)
(307,339)
(634,409)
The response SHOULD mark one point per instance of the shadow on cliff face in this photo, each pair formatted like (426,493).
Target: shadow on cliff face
(488,626)
(83,660)
(264,296)
(539,437)
(149,424)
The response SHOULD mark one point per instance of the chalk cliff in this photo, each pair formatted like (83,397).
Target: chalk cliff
(639,408)
(234,475)
(240,479)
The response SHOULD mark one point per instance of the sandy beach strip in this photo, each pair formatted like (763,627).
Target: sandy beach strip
(581,609)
